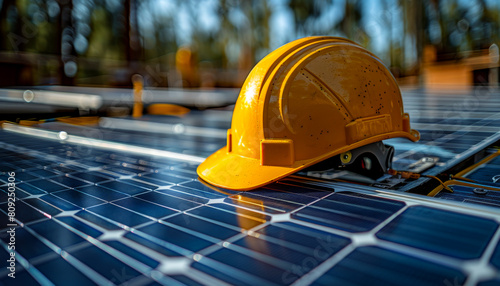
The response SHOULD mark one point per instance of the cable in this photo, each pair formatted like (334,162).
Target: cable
(462,179)
(411,175)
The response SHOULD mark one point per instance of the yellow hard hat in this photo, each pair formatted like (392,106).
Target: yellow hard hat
(305,102)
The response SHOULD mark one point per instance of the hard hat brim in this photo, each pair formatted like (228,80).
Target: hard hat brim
(232,171)
(235,172)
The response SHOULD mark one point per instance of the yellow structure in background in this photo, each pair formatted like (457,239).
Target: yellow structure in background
(458,74)
(138,84)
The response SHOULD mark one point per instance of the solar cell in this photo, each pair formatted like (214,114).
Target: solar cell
(78,198)
(56,233)
(381,266)
(202,226)
(94,220)
(66,273)
(59,203)
(144,207)
(123,187)
(25,213)
(438,231)
(235,263)
(75,224)
(102,193)
(157,245)
(109,267)
(178,239)
(119,215)
(31,246)
(349,211)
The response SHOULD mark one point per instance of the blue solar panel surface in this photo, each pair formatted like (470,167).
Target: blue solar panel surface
(98,215)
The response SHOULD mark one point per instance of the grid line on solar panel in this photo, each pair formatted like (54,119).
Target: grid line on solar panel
(42,173)
(123,187)
(152,263)
(69,182)
(26,274)
(110,267)
(173,239)
(129,257)
(46,185)
(20,194)
(237,222)
(119,216)
(262,204)
(494,252)
(183,195)
(56,233)
(384,267)
(61,204)
(193,232)
(78,226)
(437,231)
(150,244)
(22,176)
(78,198)
(199,193)
(290,196)
(155,256)
(162,178)
(168,201)
(273,254)
(25,213)
(118,170)
(348,211)
(65,274)
(145,208)
(228,274)
(206,227)
(129,168)
(233,260)
(97,221)
(43,207)
(32,246)
(90,176)
(291,257)
(197,185)
(102,193)
(146,185)
(30,189)
(242,212)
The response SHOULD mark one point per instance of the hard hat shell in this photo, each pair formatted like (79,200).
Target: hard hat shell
(307,101)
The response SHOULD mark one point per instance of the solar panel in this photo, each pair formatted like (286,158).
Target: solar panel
(108,205)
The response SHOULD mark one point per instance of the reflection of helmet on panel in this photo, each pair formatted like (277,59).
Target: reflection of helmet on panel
(307,101)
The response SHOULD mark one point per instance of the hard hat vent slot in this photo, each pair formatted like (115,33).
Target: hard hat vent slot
(229,142)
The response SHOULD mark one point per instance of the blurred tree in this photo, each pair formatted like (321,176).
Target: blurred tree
(68,65)
(107,39)
(454,27)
